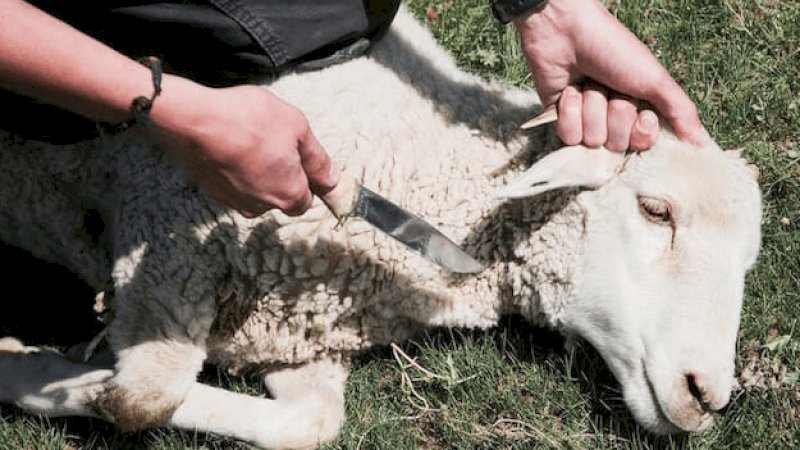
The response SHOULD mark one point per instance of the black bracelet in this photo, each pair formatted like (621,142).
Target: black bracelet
(506,10)
(141,105)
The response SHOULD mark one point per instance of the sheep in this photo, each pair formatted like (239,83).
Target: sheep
(643,255)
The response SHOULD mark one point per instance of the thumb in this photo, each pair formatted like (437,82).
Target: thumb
(549,92)
(322,173)
(680,113)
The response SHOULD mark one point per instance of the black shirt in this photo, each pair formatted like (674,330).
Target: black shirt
(215,42)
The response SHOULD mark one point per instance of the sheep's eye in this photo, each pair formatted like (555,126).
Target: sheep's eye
(655,210)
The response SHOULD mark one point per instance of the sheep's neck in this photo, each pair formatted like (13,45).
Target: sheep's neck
(531,250)
(294,303)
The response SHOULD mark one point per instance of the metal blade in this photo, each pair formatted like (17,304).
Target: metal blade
(413,232)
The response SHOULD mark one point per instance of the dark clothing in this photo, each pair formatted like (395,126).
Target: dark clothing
(215,42)
(221,42)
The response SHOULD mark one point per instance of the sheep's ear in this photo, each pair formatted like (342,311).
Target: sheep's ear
(568,167)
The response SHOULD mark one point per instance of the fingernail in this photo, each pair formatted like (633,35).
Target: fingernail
(645,132)
(648,122)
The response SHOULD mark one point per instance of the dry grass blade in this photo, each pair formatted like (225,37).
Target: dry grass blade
(528,429)
(405,362)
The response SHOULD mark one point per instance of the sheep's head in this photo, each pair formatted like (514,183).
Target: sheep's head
(670,235)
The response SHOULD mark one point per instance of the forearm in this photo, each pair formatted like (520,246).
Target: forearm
(244,146)
(44,58)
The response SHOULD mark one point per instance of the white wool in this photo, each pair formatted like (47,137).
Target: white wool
(188,277)
(301,288)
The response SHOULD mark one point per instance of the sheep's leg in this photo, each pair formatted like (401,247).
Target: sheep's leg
(150,381)
(42,381)
(307,409)
(313,395)
(163,307)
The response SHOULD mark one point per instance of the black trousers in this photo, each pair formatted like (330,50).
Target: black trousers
(215,42)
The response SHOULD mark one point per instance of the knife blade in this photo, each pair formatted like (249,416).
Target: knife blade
(350,199)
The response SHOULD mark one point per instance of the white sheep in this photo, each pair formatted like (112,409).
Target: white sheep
(643,255)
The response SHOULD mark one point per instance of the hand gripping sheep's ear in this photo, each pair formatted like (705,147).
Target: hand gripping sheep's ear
(575,166)
(567,167)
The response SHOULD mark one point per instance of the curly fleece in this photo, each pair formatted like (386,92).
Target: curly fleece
(280,290)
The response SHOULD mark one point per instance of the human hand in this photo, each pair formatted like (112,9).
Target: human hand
(597,72)
(243,146)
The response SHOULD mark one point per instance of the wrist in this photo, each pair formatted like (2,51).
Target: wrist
(556,29)
(563,18)
(545,31)
(177,114)
(179,108)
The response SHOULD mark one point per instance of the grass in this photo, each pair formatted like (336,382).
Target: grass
(519,387)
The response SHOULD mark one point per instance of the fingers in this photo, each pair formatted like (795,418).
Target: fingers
(322,173)
(570,117)
(317,174)
(595,110)
(629,128)
(645,131)
(312,171)
(582,115)
(621,116)
(680,112)
(252,192)
(294,199)
(593,116)
(298,202)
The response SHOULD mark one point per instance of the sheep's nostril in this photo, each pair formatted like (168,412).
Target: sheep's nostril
(696,387)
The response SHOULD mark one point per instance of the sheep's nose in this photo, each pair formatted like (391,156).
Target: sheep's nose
(709,399)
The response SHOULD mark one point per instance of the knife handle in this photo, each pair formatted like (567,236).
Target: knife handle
(342,199)
(549,115)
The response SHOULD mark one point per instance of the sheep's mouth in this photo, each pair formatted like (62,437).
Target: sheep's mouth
(666,425)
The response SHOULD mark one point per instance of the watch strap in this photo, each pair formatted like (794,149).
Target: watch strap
(506,10)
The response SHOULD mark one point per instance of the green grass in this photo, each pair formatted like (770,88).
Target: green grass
(519,387)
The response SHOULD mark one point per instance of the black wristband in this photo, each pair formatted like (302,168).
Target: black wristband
(506,10)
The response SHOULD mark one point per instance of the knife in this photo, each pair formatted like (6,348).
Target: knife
(549,115)
(350,199)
